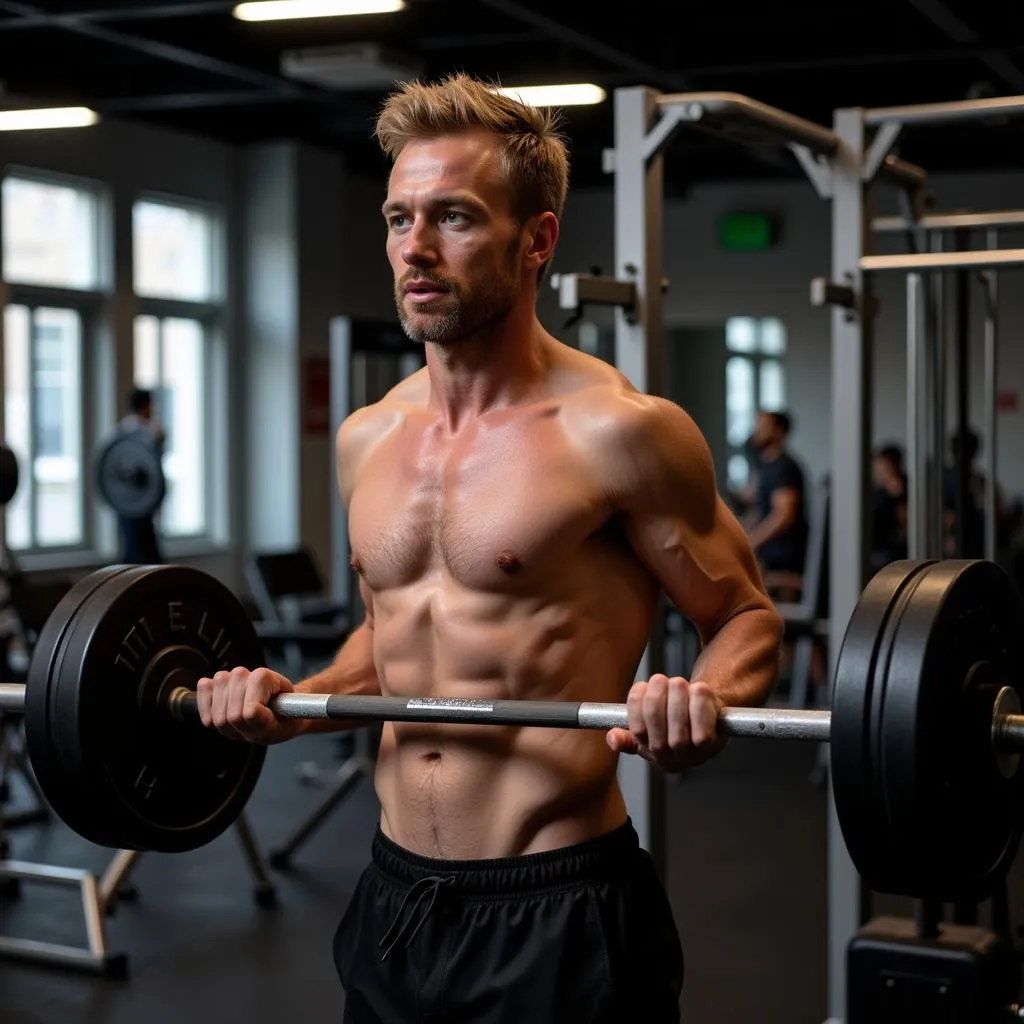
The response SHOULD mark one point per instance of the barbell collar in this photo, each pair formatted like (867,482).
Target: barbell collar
(12,696)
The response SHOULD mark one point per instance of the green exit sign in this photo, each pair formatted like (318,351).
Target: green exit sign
(746,232)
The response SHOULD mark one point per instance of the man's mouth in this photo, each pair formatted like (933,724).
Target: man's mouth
(424,291)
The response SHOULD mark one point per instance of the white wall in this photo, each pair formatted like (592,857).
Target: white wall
(708,285)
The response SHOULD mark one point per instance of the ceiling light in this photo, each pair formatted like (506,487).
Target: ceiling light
(46,117)
(580,94)
(283,10)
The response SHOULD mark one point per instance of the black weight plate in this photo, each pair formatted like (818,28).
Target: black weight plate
(955,819)
(857,706)
(60,789)
(148,782)
(8,474)
(129,473)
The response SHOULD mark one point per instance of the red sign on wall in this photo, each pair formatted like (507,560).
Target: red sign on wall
(316,395)
(1007,401)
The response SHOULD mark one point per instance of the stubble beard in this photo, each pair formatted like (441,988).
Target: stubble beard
(466,317)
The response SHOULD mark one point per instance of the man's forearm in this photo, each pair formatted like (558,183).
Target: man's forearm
(352,671)
(741,661)
(769,528)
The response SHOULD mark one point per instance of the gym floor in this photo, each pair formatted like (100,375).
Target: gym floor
(747,881)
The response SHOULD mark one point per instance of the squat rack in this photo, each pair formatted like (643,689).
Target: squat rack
(844,164)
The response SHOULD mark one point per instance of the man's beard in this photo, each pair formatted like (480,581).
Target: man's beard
(466,316)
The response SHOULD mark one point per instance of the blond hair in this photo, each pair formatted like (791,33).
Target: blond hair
(534,157)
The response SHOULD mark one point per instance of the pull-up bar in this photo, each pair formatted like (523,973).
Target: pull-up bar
(752,122)
(945,260)
(945,113)
(951,221)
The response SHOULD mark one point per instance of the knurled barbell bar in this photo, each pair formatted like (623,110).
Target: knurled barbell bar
(925,727)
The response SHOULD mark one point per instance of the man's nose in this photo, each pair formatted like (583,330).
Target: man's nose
(419,248)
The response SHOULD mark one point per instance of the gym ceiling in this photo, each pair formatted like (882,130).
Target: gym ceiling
(191,65)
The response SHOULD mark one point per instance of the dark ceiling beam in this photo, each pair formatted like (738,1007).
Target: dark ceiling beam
(765,68)
(166,51)
(46,19)
(954,28)
(647,72)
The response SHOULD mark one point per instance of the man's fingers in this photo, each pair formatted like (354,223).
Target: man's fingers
(655,714)
(635,712)
(703,716)
(680,733)
(623,742)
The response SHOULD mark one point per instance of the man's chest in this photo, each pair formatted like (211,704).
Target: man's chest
(493,513)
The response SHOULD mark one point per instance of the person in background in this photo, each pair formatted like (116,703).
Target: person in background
(778,534)
(888,507)
(974,503)
(140,545)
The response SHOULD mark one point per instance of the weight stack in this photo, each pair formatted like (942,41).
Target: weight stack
(966,975)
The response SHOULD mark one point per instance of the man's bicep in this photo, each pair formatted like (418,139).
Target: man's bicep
(786,500)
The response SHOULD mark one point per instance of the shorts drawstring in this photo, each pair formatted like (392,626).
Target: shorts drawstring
(425,888)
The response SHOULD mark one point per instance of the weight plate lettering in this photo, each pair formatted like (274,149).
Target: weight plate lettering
(131,776)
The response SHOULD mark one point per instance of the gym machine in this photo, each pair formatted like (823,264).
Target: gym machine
(368,358)
(844,164)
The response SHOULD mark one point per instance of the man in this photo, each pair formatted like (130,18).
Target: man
(779,534)
(514,509)
(138,533)
(888,507)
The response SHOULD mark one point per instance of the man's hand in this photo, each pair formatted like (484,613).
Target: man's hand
(235,704)
(672,723)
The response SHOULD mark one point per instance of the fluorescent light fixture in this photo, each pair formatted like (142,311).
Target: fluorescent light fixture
(284,10)
(580,94)
(46,117)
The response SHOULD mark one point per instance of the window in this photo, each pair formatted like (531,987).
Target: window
(50,234)
(42,424)
(170,359)
(755,378)
(176,280)
(173,251)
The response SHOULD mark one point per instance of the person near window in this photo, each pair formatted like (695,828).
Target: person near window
(778,534)
(888,507)
(140,545)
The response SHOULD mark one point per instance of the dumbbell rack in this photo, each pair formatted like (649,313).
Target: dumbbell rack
(100,896)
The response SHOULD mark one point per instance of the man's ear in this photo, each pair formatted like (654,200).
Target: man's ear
(542,233)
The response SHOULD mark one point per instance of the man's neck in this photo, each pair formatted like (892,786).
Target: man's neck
(771,452)
(491,369)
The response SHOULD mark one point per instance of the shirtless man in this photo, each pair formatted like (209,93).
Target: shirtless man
(515,508)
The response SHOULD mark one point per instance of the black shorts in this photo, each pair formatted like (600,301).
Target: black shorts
(578,935)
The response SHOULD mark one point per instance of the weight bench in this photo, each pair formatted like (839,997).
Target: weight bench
(296,621)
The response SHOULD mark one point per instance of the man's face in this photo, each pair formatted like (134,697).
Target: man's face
(454,246)
(765,431)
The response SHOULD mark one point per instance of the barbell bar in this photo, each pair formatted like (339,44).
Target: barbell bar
(925,728)
(750,723)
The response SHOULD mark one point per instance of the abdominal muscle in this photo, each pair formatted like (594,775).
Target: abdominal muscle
(477,791)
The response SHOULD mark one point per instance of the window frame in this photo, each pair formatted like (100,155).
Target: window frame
(212,315)
(89,306)
(103,241)
(756,358)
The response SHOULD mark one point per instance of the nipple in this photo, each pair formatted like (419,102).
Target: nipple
(508,561)
(356,564)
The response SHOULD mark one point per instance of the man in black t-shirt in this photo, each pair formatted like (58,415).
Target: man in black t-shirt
(779,535)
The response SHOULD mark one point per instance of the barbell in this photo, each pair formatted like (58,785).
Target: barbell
(128,472)
(925,725)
